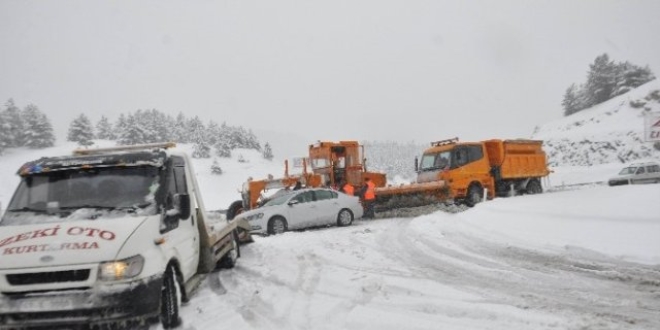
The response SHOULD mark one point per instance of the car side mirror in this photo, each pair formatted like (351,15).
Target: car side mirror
(293,202)
(182,202)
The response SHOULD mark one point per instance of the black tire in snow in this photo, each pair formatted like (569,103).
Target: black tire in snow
(474,195)
(169,301)
(344,218)
(277,225)
(229,260)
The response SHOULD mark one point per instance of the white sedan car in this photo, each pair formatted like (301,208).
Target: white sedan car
(303,208)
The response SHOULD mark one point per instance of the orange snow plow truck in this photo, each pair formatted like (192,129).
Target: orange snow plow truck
(469,171)
(462,172)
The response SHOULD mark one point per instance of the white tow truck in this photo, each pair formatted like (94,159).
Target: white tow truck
(112,236)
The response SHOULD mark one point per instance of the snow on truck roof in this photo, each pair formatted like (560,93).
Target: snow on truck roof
(134,155)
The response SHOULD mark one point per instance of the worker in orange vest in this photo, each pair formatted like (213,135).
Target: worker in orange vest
(368,194)
(346,188)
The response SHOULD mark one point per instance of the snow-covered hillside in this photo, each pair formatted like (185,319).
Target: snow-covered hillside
(610,132)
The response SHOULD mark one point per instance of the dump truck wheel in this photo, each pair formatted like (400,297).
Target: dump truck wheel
(169,300)
(234,209)
(344,218)
(533,187)
(277,225)
(229,260)
(474,196)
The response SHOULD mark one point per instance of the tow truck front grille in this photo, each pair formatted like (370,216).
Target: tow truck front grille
(78,275)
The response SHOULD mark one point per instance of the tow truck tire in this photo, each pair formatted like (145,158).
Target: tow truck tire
(229,260)
(169,301)
(234,209)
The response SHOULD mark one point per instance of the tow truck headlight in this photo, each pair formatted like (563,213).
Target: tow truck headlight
(121,269)
(254,216)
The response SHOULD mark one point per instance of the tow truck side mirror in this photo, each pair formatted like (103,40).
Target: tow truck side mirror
(183,204)
(416,164)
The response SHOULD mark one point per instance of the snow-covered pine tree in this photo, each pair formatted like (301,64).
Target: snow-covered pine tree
(180,132)
(267,152)
(104,130)
(601,80)
(120,126)
(215,167)
(81,131)
(132,133)
(5,138)
(201,148)
(38,129)
(15,124)
(222,148)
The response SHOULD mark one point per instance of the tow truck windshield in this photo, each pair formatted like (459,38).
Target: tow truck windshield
(60,193)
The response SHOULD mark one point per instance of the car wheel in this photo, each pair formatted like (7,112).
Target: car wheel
(344,218)
(474,195)
(169,300)
(229,260)
(534,187)
(277,225)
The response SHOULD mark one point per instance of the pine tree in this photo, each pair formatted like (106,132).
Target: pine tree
(132,133)
(180,132)
(81,131)
(267,152)
(15,125)
(5,138)
(222,149)
(601,80)
(104,130)
(201,150)
(215,167)
(38,129)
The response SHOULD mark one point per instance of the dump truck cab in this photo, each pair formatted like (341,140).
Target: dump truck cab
(464,166)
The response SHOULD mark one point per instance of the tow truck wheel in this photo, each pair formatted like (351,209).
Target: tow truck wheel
(229,260)
(234,209)
(169,300)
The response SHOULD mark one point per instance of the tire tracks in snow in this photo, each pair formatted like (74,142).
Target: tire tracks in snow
(584,288)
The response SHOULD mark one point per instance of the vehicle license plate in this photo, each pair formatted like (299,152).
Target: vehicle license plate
(53,303)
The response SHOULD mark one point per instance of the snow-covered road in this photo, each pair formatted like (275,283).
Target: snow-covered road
(528,262)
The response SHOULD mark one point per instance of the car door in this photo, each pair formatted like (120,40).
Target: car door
(327,205)
(654,173)
(640,175)
(302,210)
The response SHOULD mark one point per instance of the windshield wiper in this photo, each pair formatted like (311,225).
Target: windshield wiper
(27,209)
(88,206)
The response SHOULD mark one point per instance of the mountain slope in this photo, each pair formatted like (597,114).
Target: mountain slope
(610,132)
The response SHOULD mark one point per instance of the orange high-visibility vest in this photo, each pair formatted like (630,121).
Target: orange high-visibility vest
(370,194)
(348,189)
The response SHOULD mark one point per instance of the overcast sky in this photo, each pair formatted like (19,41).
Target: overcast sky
(369,70)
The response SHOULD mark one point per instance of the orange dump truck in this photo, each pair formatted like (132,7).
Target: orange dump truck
(464,171)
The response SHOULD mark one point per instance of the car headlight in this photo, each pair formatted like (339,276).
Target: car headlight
(254,216)
(121,269)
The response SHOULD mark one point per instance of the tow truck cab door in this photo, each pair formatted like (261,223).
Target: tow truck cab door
(178,229)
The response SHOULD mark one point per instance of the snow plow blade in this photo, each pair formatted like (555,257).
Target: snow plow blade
(411,195)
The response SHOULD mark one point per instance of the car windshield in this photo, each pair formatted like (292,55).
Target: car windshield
(434,161)
(628,170)
(53,196)
(278,200)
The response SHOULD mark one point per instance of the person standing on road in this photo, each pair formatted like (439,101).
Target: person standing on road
(346,188)
(368,193)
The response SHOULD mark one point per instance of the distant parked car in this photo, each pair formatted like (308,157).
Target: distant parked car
(637,173)
(305,208)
